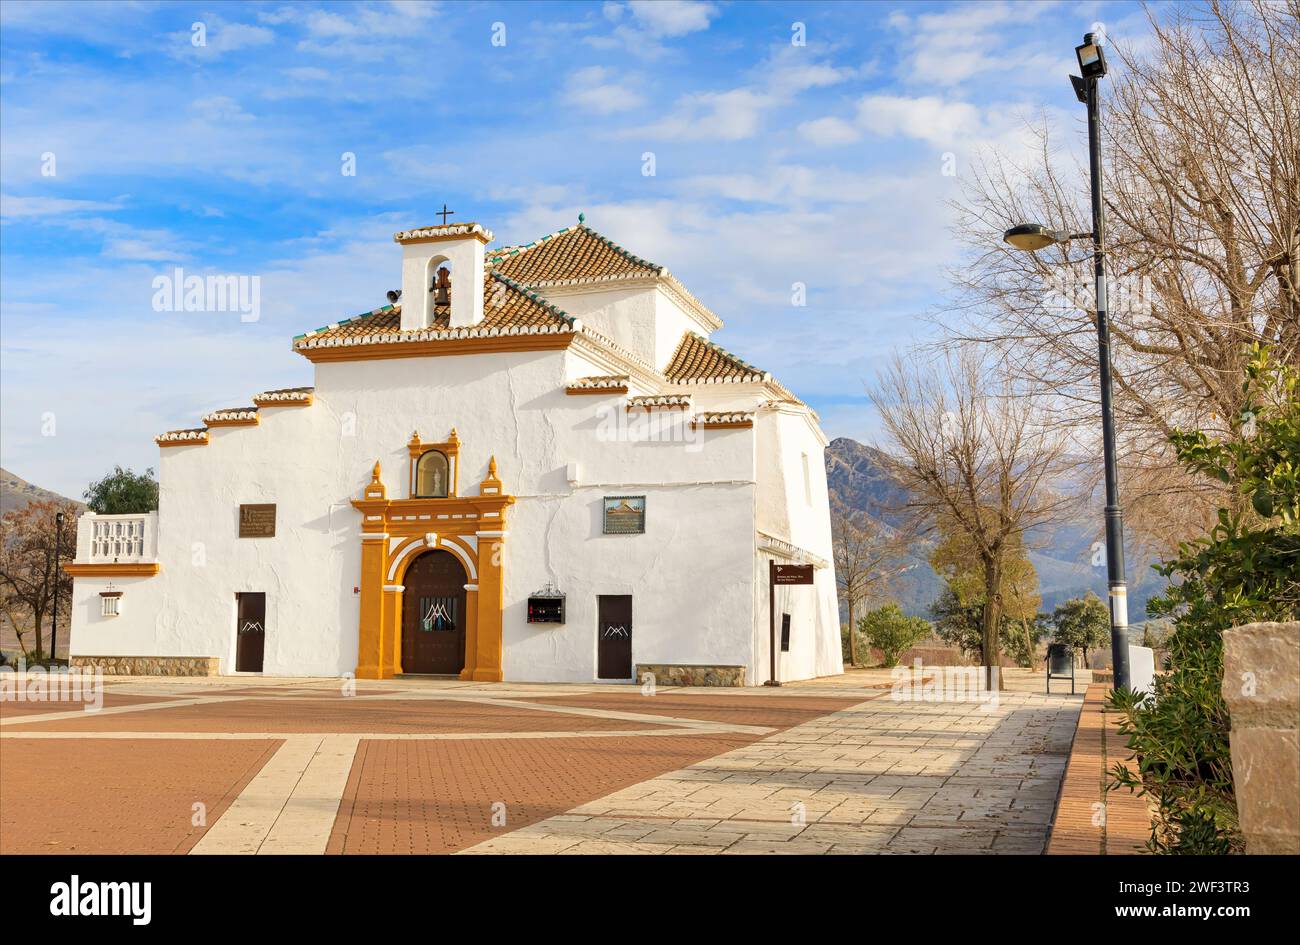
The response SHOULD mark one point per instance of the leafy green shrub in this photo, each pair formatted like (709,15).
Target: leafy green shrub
(891,631)
(1246,569)
(958,623)
(1082,623)
(1020,639)
(123,492)
(961,624)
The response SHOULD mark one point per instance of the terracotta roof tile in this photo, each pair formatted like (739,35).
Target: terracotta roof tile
(171,437)
(506,305)
(697,361)
(228,414)
(725,418)
(665,401)
(601,382)
(575,253)
(284,397)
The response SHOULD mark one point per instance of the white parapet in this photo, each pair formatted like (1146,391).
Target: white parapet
(103,539)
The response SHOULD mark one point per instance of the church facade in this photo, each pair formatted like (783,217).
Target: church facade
(532,464)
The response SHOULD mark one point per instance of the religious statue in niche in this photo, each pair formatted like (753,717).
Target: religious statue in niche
(432,476)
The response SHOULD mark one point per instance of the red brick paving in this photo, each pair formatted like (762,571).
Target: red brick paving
(118,796)
(1097,747)
(135,795)
(320,716)
(111,700)
(436,797)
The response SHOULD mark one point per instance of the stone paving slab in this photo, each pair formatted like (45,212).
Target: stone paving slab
(877,777)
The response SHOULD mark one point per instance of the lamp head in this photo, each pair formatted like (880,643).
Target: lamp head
(1033,237)
(1092,57)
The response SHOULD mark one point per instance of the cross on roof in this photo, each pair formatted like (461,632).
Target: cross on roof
(444,213)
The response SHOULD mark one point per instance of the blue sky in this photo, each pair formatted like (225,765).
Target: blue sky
(774,163)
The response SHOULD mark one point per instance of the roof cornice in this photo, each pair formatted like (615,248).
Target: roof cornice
(448,231)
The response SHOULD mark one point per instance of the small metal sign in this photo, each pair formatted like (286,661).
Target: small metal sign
(624,515)
(257,521)
(792,574)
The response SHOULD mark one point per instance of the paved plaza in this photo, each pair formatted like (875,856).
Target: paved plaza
(259,765)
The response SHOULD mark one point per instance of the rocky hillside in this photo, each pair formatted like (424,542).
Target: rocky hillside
(858,479)
(15,492)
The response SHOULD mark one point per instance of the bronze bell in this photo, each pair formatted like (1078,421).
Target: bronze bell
(441,287)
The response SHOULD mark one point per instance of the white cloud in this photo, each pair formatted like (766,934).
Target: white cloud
(597,90)
(717,116)
(927,118)
(651,22)
(829,132)
(13,207)
(107,310)
(219,108)
(138,250)
(307,74)
(220,36)
(672,17)
(362,31)
(964,41)
(738,114)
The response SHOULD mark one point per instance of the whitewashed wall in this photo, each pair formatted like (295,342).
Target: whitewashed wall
(647,321)
(697,581)
(690,574)
(783,510)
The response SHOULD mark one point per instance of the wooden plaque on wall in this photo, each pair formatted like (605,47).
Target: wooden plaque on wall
(257,521)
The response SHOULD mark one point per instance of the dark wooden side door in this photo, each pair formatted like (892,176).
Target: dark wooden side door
(250,630)
(614,636)
(433,615)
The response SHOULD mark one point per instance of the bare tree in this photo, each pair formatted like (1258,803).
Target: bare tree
(1201,140)
(30,572)
(977,452)
(866,553)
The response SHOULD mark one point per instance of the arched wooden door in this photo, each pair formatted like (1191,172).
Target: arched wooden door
(433,615)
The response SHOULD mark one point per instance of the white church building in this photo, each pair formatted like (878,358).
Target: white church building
(533,464)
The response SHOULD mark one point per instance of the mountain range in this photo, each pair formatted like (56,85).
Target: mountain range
(16,492)
(859,480)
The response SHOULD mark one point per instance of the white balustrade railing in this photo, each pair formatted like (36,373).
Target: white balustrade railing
(117,538)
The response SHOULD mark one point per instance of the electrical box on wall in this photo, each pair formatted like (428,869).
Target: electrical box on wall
(546,606)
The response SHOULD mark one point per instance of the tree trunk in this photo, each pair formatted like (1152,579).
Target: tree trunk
(991,617)
(853,637)
(40,643)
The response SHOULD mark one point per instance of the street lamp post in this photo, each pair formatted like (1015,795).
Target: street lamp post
(58,548)
(1032,236)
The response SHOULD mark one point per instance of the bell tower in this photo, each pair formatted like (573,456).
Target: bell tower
(458,247)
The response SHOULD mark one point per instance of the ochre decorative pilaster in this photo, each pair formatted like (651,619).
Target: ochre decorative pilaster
(393,628)
(370,635)
(454,522)
(471,631)
(488,663)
